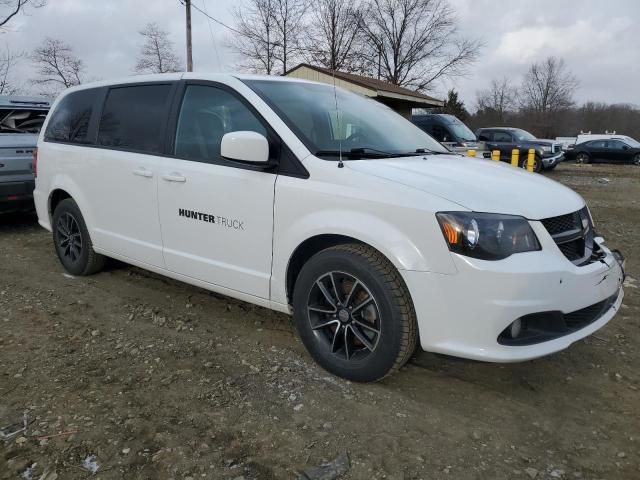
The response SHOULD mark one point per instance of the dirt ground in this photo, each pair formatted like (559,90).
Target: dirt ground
(156,379)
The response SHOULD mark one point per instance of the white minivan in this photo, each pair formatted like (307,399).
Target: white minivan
(307,199)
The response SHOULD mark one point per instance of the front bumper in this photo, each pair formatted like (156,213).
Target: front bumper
(464,314)
(552,160)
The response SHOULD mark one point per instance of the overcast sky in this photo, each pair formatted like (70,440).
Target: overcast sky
(598,39)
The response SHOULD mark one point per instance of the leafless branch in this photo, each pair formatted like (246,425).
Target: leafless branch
(57,65)
(10,8)
(157,54)
(415,42)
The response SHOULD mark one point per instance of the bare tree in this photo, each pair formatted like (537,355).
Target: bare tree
(10,8)
(499,98)
(255,37)
(8,61)
(415,42)
(267,34)
(289,22)
(548,86)
(157,54)
(57,65)
(333,34)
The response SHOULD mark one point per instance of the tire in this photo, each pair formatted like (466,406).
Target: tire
(583,158)
(370,302)
(72,241)
(537,165)
(636,159)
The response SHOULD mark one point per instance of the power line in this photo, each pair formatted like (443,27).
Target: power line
(213,42)
(212,18)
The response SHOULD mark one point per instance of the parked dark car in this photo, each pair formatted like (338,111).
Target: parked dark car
(507,139)
(447,129)
(20,121)
(612,150)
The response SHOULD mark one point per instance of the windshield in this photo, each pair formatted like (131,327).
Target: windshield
(523,134)
(359,128)
(461,131)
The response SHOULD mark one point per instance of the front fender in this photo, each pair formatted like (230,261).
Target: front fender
(396,245)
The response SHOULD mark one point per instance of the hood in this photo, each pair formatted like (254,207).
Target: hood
(477,184)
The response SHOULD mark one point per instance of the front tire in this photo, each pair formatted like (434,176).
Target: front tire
(72,241)
(354,313)
(583,158)
(636,159)
(537,163)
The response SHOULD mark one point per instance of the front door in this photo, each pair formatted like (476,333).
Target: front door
(216,215)
(503,141)
(122,176)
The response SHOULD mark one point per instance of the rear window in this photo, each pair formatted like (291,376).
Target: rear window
(133,118)
(70,120)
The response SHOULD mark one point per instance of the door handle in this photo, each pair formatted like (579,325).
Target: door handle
(143,172)
(174,177)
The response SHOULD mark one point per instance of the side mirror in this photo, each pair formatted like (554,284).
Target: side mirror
(245,146)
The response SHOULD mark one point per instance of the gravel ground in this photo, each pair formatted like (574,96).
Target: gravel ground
(141,377)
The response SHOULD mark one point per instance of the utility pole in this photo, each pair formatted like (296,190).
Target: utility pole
(187,5)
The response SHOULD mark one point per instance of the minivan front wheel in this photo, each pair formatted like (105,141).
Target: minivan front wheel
(354,314)
(72,242)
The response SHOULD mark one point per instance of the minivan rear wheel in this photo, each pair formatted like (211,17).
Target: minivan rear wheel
(354,314)
(72,241)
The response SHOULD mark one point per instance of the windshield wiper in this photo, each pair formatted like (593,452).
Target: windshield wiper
(363,152)
(425,151)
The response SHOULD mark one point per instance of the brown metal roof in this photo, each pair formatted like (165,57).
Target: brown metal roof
(368,82)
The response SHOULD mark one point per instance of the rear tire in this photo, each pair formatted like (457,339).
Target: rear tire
(72,241)
(583,158)
(636,159)
(354,313)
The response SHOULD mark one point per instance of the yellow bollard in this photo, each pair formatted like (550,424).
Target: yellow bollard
(531,159)
(515,157)
(471,153)
(495,155)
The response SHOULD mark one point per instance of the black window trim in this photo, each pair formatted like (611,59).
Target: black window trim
(288,163)
(284,162)
(92,130)
(163,132)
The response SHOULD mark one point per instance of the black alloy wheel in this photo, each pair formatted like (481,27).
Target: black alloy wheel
(344,315)
(72,241)
(69,237)
(354,314)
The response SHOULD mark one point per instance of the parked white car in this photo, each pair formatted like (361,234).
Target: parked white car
(310,200)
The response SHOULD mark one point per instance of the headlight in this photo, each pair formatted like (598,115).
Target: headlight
(487,236)
(546,149)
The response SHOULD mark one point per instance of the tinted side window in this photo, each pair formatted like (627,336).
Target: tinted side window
(207,113)
(485,136)
(501,137)
(70,120)
(597,144)
(134,117)
(616,145)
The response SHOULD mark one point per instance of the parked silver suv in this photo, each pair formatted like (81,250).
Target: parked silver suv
(20,121)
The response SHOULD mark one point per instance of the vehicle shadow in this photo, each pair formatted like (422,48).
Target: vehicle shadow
(18,221)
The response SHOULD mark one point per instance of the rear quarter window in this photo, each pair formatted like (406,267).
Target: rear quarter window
(70,120)
(133,118)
